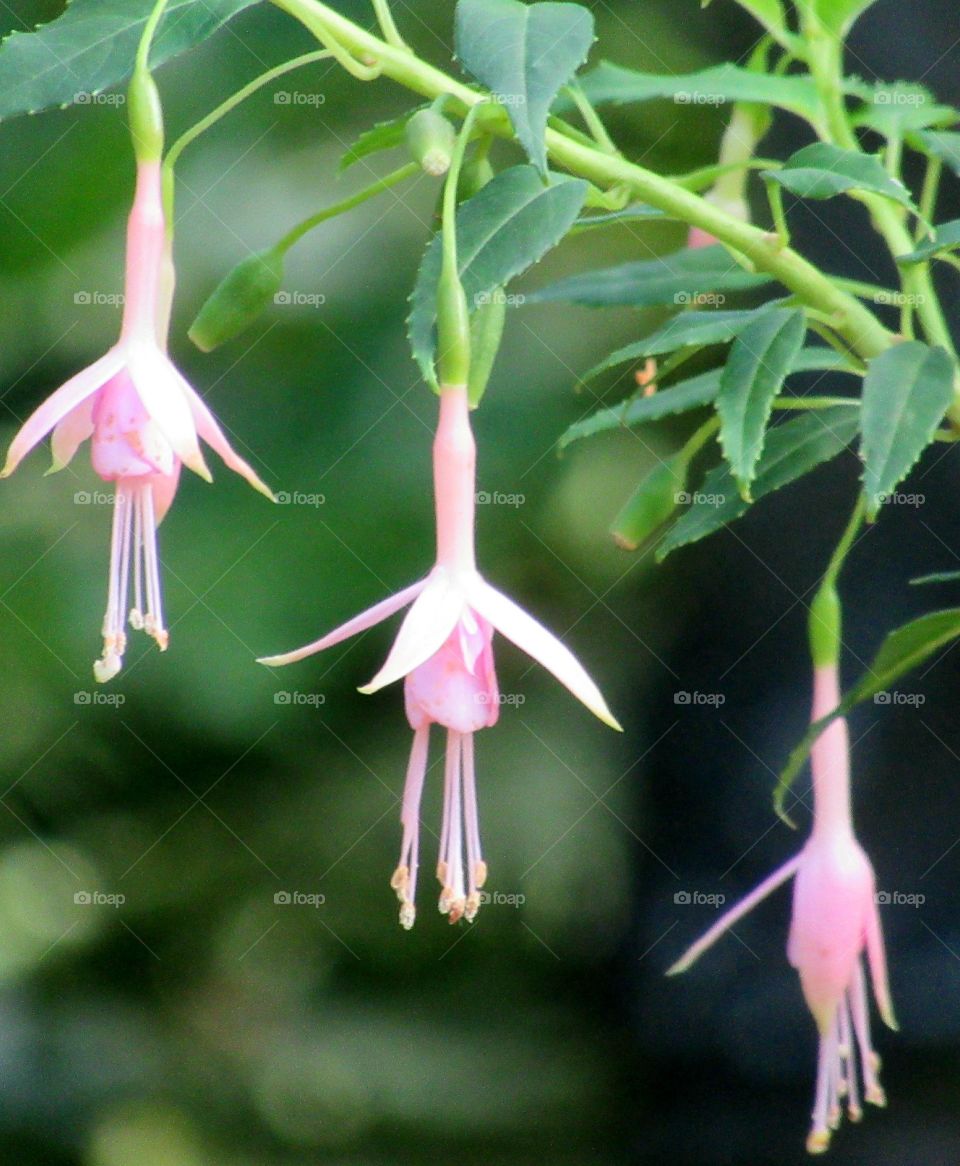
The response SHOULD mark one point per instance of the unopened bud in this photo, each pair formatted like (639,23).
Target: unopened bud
(651,504)
(238,300)
(431,140)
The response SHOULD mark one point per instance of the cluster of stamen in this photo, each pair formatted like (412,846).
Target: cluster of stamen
(460,881)
(134,536)
(848,1035)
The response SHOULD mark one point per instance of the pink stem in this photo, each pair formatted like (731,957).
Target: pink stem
(146,240)
(830,759)
(454,473)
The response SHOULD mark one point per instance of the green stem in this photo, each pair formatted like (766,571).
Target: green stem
(295,234)
(391,34)
(142,62)
(591,119)
(191,135)
(928,195)
(846,541)
(825,58)
(859,326)
(775,199)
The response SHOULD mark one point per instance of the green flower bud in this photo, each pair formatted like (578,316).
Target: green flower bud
(145,115)
(486,329)
(238,300)
(651,504)
(453,331)
(474,176)
(431,140)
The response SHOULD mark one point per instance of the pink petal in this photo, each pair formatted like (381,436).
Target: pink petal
(164,490)
(373,615)
(70,432)
(159,387)
(736,912)
(424,630)
(213,435)
(56,407)
(533,638)
(877,959)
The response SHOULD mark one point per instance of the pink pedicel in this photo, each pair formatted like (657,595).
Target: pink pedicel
(835,922)
(444,652)
(143,419)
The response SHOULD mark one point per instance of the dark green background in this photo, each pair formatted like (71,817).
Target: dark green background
(200,1022)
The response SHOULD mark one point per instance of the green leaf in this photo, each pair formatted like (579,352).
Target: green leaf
(894,109)
(682,331)
(92,46)
(761,357)
(679,398)
(936,577)
(941,144)
(524,53)
(906,392)
(504,229)
(705,88)
(902,650)
(946,237)
(628,214)
(682,277)
(823,171)
(385,135)
(839,15)
(792,450)
(768,12)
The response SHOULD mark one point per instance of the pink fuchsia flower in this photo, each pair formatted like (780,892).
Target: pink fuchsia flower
(444,652)
(835,922)
(143,419)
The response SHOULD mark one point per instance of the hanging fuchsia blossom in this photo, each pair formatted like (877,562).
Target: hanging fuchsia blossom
(835,922)
(143,419)
(444,650)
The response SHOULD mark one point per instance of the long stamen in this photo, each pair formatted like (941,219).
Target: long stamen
(476,867)
(870,1062)
(452,898)
(136,612)
(153,624)
(404,880)
(114,640)
(819,1138)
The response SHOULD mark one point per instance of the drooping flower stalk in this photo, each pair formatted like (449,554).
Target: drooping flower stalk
(141,415)
(444,652)
(835,918)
